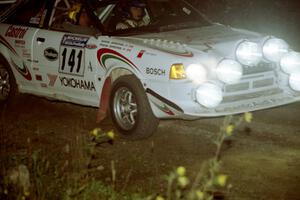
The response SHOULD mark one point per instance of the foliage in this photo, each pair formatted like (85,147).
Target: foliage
(71,180)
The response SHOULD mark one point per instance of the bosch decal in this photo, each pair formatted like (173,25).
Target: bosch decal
(51,54)
(74,41)
(77,83)
(16,32)
(155,71)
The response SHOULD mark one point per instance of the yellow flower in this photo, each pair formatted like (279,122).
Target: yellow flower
(199,195)
(221,180)
(248,117)
(159,198)
(183,181)
(96,132)
(110,134)
(229,130)
(180,171)
(26,193)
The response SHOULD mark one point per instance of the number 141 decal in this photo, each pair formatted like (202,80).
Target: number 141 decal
(71,61)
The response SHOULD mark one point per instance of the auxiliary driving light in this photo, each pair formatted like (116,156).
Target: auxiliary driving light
(295,81)
(248,53)
(196,73)
(274,49)
(229,71)
(209,95)
(290,63)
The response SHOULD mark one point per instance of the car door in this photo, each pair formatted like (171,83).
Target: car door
(67,66)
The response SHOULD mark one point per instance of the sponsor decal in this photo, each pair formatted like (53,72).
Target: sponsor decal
(38,77)
(26,53)
(51,54)
(74,41)
(44,85)
(155,71)
(52,79)
(91,46)
(16,32)
(141,53)
(20,43)
(90,67)
(164,109)
(169,47)
(164,100)
(77,83)
(116,45)
(5,43)
(22,70)
(33,61)
(36,69)
(105,54)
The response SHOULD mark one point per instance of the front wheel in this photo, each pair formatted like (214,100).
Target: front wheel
(130,109)
(8,85)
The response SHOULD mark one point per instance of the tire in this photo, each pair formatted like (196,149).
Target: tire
(8,86)
(130,109)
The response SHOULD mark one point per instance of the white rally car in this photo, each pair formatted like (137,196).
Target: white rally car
(180,65)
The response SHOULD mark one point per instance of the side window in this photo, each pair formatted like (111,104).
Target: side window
(73,18)
(32,14)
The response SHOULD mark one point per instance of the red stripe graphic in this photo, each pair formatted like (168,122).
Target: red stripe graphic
(103,51)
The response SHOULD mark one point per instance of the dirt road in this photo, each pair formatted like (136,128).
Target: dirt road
(262,159)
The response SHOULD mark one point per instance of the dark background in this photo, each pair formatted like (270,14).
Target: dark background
(280,18)
(276,17)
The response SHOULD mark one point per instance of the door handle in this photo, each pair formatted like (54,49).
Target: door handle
(39,39)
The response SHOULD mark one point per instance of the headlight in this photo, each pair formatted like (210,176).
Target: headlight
(196,73)
(209,95)
(229,71)
(274,49)
(177,72)
(248,53)
(295,81)
(290,63)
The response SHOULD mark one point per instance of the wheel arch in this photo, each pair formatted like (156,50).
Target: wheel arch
(111,76)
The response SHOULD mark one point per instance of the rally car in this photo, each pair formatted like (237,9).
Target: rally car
(178,66)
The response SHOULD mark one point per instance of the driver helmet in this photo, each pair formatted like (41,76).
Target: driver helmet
(133,3)
(74,13)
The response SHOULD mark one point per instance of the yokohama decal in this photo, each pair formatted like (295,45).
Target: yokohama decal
(104,54)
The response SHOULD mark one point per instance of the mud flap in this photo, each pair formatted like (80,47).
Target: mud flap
(104,101)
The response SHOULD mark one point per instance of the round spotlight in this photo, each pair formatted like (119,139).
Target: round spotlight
(274,49)
(196,73)
(229,71)
(295,81)
(209,95)
(248,53)
(290,62)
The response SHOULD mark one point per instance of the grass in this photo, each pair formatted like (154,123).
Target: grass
(70,176)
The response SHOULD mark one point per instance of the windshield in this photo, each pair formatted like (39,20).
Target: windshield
(135,16)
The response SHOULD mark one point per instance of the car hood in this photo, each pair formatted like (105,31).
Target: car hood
(216,37)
